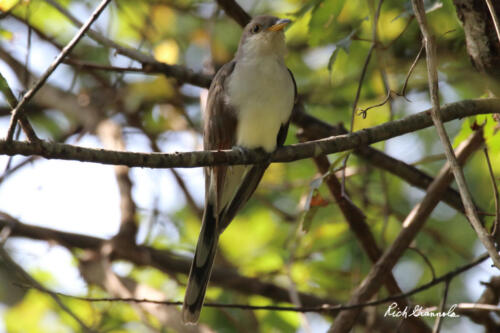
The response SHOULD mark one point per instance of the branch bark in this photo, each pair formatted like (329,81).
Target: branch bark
(16,112)
(171,264)
(411,226)
(235,11)
(110,134)
(470,210)
(315,129)
(231,157)
(149,64)
(96,270)
(357,223)
(481,40)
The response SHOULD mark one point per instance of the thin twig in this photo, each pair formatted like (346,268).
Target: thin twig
(36,285)
(314,128)
(27,97)
(12,101)
(495,229)
(149,64)
(359,226)
(424,257)
(410,71)
(439,319)
(494,17)
(91,65)
(390,93)
(360,84)
(325,308)
(470,210)
(412,225)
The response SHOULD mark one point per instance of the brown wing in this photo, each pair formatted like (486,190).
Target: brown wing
(219,130)
(220,117)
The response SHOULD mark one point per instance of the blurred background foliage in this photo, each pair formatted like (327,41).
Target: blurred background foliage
(328,44)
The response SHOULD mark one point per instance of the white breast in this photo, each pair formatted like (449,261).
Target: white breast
(262,92)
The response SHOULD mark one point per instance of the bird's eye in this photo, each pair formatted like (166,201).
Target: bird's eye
(256,28)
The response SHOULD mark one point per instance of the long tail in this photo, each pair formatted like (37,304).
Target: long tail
(201,267)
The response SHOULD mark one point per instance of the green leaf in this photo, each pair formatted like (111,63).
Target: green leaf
(491,136)
(429,6)
(304,9)
(340,158)
(324,20)
(7,92)
(309,211)
(464,133)
(6,34)
(343,44)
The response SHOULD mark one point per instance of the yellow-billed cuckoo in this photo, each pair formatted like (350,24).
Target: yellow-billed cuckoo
(249,105)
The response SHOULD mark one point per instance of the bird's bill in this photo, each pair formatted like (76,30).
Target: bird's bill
(279,25)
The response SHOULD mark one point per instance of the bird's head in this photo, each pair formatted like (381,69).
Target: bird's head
(263,36)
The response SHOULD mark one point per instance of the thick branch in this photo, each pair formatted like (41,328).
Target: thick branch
(169,263)
(235,11)
(411,226)
(96,269)
(229,157)
(481,40)
(470,210)
(357,223)
(315,129)
(111,135)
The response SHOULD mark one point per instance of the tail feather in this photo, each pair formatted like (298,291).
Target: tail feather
(201,267)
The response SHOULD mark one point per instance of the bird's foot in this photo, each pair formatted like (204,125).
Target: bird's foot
(242,150)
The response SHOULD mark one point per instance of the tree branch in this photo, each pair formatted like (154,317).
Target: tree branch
(325,308)
(316,129)
(411,226)
(16,112)
(470,210)
(231,157)
(357,223)
(170,263)
(28,278)
(149,64)
(235,11)
(111,135)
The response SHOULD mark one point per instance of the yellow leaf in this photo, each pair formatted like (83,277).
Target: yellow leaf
(163,18)
(167,51)
(6,5)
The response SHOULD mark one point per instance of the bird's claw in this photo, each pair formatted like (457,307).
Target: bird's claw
(242,150)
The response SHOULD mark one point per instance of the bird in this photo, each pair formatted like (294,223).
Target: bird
(249,105)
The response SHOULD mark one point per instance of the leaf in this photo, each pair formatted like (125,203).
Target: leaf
(304,9)
(6,5)
(491,136)
(324,20)
(7,92)
(464,133)
(429,6)
(167,51)
(344,44)
(313,202)
(340,158)
(315,184)
(318,201)
(6,34)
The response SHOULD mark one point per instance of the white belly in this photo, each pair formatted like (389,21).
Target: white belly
(263,94)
